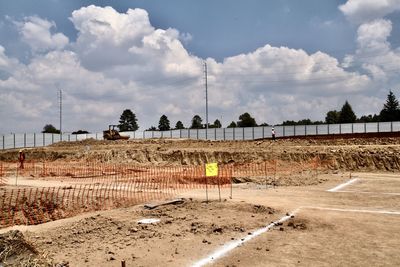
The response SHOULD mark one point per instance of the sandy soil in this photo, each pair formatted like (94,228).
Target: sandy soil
(365,154)
(191,231)
(357,225)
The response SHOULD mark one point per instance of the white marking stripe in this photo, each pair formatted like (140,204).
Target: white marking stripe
(355,210)
(232,245)
(343,185)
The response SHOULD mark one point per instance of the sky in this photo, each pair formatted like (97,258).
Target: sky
(277,60)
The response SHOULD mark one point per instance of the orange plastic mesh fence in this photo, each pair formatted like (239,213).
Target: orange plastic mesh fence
(99,186)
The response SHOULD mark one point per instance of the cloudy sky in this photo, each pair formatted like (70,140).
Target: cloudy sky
(277,60)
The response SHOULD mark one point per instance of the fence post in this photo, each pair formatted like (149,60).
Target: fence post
(3,143)
(352,128)
(243,133)
(253,133)
(144,134)
(162,134)
(180,133)
(215,133)
(294,130)
(328,128)
(69,138)
(340,128)
(234,133)
(284,130)
(263,132)
(378,127)
(52,138)
(222,129)
(197,134)
(96,136)
(391,126)
(152,134)
(171,133)
(44,141)
(365,127)
(305,130)
(14,140)
(316,129)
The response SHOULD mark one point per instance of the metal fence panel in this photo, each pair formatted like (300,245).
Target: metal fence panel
(385,127)
(19,140)
(372,127)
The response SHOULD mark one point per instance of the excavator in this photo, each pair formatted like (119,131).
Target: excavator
(112,134)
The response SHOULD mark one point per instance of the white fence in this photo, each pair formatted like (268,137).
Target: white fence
(250,133)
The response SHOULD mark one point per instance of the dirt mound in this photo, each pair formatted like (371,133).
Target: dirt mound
(354,154)
(16,251)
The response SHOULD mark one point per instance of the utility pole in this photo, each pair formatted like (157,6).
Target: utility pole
(205,78)
(60,102)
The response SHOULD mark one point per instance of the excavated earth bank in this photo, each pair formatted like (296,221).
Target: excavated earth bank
(351,154)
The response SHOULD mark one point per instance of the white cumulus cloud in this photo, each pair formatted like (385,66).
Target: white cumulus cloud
(360,11)
(119,61)
(36,32)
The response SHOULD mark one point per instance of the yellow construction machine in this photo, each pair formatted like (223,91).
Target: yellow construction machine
(112,134)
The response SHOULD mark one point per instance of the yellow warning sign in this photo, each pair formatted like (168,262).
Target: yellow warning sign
(211,169)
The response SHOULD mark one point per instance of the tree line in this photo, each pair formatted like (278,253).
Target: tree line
(129,122)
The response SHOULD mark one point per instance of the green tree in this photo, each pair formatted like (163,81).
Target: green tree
(163,124)
(390,111)
(245,120)
(128,121)
(232,125)
(217,124)
(332,117)
(347,114)
(152,128)
(179,125)
(196,122)
(80,132)
(369,118)
(49,128)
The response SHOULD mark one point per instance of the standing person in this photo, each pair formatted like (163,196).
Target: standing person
(273,133)
(21,158)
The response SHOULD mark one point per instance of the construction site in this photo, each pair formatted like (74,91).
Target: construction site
(150,203)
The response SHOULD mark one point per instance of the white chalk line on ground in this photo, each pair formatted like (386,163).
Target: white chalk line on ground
(354,210)
(341,186)
(234,244)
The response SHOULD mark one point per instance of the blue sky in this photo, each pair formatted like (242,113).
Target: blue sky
(278,60)
(219,28)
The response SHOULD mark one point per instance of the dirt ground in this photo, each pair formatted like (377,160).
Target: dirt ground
(364,154)
(354,225)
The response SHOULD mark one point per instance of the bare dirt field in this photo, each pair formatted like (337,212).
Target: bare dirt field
(347,218)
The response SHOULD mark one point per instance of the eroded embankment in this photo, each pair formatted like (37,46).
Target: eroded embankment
(348,155)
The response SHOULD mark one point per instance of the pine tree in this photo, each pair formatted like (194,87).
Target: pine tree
(245,120)
(163,124)
(217,124)
(179,125)
(347,114)
(332,117)
(232,125)
(128,121)
(196,122)
(390,111)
